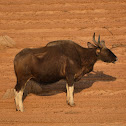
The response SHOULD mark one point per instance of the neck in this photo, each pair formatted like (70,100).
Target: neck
(88,57)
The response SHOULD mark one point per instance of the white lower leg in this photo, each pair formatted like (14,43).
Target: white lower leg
(71,97)
(16,99)
(20,94)
(67,94)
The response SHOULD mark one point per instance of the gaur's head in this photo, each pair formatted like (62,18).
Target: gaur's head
(102,51)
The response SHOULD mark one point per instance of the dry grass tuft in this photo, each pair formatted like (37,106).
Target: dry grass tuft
(6,41)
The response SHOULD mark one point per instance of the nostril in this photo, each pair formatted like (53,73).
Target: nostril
(116,59)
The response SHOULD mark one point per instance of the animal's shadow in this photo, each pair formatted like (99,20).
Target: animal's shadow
(59,87)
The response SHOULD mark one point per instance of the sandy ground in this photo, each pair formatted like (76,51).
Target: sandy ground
(100,96)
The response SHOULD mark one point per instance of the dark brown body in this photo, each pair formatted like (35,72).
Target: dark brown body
(51,63)
(58,60)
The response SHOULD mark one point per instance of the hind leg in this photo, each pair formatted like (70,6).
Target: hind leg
(18,100)
(18,95)
(67,93)
(19,89)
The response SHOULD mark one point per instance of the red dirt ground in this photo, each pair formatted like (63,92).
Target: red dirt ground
(100,97)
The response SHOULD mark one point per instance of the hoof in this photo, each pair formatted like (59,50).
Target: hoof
(67,102)
(72,104)
(20,110)
(17,109)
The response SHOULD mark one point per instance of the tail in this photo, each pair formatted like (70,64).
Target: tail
(8,94)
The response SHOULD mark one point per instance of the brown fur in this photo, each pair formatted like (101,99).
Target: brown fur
(62,60)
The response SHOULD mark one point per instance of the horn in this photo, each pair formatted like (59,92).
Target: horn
(94,40)
(99,40)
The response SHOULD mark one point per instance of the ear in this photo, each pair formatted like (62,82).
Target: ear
(102,44)
(90,45)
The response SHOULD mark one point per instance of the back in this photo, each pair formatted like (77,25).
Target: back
(68,48)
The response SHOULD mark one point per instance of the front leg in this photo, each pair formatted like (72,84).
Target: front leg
(70,95)
(70,91)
